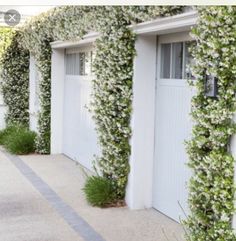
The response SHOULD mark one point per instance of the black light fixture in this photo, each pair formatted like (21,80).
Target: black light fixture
(211,86)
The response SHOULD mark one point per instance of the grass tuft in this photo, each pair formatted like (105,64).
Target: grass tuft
(99,191)
(5,132)
(18,139)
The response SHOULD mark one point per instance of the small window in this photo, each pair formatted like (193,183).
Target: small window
(175,60)
(165,61)
(72,64)
(79,63)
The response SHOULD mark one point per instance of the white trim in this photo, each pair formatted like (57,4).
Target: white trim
(57,100)
(233,152)
(177,23)
(86,40)
(79,49)
(175,37)
(139,188)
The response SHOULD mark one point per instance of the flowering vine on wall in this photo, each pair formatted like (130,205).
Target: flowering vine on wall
(6,35)
(212,189)
(15,79)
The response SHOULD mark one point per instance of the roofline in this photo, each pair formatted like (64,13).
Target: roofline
(87,39)
(176,23)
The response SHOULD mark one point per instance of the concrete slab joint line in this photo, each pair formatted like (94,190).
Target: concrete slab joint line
(75,221)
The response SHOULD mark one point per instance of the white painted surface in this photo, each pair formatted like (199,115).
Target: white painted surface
(139,189)
(72,128)
(33,95)
(233,152)
(57,100)
(177,23)
(57,89)
(3,111)
(79,136)
(87,39)
(172,127)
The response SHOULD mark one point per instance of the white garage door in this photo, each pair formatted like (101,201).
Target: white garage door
(173,127)
(79,136)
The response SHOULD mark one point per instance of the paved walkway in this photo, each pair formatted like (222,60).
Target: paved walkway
(41,200)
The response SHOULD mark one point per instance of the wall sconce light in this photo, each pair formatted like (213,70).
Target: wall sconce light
(211,86)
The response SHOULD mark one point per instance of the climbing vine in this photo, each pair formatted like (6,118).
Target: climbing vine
(15,79)
(5,38)
(212,184)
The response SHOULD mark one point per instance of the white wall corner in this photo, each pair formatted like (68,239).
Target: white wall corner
(139,188)
(57,100)
(233,152)
(33,97)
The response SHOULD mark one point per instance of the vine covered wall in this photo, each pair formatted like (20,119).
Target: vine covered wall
(5,38)
(212,189)
(15,80)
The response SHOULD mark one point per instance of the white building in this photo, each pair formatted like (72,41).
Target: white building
(160,118)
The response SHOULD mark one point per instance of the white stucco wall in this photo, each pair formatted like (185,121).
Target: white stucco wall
(57,100)
(34,95)
(3,110)
(233,151)
(139,189)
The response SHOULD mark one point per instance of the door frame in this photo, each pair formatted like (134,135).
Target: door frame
(78,81)
(57,86)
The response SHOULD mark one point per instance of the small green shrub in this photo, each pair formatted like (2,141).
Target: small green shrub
(99,191)
(6,132)
(20,140)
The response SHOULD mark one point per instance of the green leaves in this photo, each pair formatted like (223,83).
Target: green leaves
(99,191)
(212,188)
(15,80)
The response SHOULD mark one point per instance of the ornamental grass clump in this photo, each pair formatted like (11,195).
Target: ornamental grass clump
(99,191)
(6,132)
(19,140)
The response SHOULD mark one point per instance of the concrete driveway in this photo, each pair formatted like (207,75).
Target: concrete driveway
(41,200)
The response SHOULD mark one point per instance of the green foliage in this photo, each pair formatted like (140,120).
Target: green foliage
(15,81)
(99,191)
(6,132)
(212,188)
(19,140)
(5,39)
(44,118)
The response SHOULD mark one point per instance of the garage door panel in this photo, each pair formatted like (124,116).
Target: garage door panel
(79,135)
(171,174)
(172,128)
